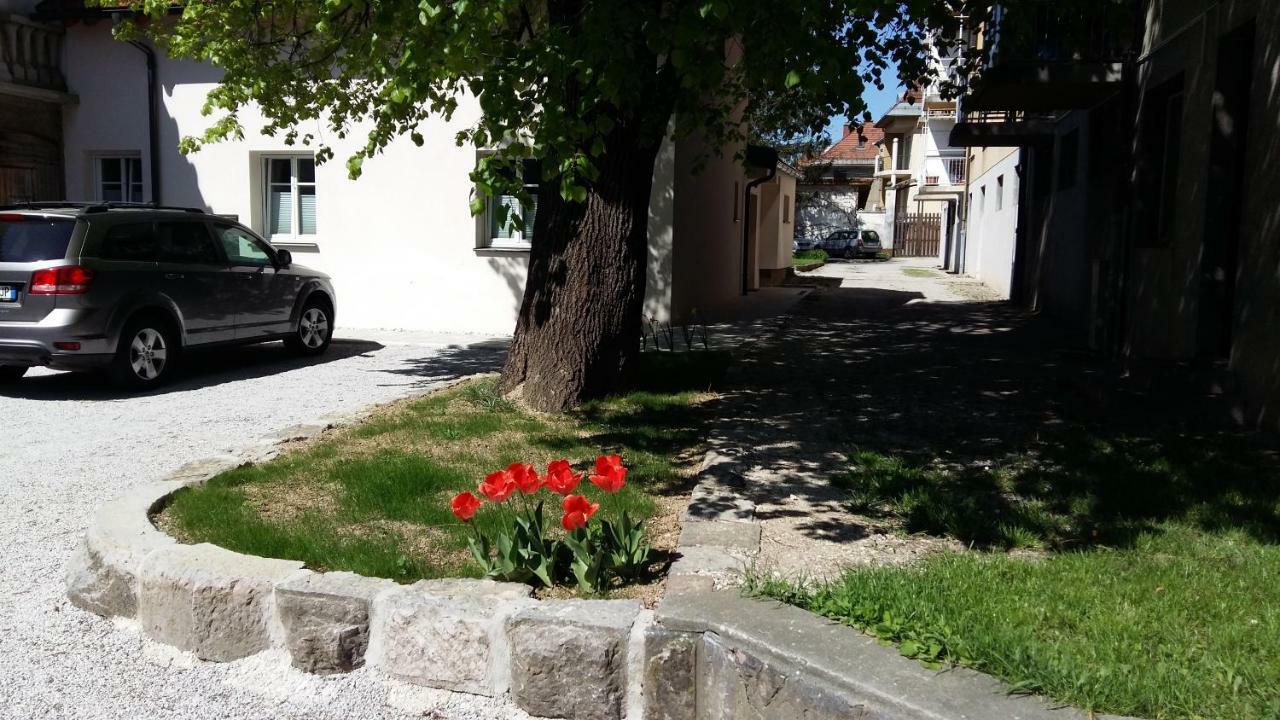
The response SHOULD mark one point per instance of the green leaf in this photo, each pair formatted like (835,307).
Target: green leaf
(793,79)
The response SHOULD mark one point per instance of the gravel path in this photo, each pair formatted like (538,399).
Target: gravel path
(67,444)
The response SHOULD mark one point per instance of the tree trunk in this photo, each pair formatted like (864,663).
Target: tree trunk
(578,333)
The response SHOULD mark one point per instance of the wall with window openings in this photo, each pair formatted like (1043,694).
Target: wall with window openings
(401,243)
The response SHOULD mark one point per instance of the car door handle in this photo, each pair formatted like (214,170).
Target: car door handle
(173,276)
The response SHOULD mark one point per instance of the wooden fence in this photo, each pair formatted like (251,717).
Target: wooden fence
(916,234)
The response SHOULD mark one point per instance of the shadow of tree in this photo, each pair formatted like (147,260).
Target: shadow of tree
(974,420)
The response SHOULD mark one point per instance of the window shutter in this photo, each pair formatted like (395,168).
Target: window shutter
(281,201)
(307,211)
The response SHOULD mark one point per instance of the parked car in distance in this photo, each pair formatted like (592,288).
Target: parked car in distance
(128,288)
(851,244)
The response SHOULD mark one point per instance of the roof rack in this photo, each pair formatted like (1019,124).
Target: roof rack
(94,207)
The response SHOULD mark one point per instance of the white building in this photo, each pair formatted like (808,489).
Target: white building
(400,242)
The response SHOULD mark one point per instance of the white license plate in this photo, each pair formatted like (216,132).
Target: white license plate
(8,293)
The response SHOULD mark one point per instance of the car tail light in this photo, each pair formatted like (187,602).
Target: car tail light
(66,346)
(69,280)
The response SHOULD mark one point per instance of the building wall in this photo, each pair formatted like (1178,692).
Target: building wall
(400,242)
(709,216)
(990,233)
(777,223)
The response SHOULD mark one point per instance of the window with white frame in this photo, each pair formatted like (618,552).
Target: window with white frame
(508,221)
(118,178)
(289,209)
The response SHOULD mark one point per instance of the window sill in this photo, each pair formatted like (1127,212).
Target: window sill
(501,251)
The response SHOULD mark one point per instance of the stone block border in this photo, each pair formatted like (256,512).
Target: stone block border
(705,653)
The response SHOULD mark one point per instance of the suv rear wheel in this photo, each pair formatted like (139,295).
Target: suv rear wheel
(11,373)
(145,357)
(315,329)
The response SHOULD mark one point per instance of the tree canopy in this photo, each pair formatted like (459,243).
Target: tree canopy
(550,76)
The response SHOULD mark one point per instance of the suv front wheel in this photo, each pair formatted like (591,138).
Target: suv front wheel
(315,329)
(145,357)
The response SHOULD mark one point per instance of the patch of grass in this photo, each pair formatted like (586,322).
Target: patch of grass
(373,499)
(1181,624)
(918,272)
(804,257)
(1076,489)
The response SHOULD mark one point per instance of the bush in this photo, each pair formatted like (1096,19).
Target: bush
(805,257)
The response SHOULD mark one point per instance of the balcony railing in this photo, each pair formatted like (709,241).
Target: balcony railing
(956,170)
(31,53)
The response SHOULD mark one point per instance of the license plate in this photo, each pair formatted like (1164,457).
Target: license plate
(8,293)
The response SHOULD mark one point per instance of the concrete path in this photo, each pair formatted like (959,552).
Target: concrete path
(67,444)
(890,355)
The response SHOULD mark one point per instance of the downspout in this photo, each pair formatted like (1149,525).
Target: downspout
(153,126)
(746,222)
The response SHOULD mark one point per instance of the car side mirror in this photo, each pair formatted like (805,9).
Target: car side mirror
(284,258)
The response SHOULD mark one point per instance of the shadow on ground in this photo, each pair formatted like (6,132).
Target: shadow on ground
(972,420)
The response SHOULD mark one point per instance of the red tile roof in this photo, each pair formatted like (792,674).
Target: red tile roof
(847,149)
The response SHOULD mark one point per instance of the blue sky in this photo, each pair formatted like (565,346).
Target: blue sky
(878,101)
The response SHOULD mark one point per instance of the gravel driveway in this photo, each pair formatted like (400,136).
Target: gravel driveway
(67,444)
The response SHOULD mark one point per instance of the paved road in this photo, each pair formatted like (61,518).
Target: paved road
(67,444)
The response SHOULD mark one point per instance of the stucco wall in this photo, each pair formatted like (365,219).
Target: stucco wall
(400,242)
(990,233)
(709,213)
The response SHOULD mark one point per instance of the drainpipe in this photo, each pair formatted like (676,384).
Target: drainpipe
(759,157)
(153,112)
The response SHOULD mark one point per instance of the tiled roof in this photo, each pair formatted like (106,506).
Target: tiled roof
(847,150)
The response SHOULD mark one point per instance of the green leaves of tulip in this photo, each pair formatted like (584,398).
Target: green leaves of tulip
(523,553)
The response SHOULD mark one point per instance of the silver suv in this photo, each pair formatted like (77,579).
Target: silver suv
(127,288)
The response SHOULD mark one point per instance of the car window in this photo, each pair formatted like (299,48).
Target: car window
(187,243)
(129,241)
(241,247)
(27,238)
(870,236)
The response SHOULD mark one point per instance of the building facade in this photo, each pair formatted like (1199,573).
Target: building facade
(401,243)
(1148,225)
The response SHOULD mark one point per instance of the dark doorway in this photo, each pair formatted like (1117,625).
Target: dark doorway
(1225,192)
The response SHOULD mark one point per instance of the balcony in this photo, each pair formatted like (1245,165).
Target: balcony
(31,59)
(1045,58)
(1002,128)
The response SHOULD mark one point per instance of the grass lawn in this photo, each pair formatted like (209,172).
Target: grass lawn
(374,498)
(804,257)
(1146,579)
(918,272)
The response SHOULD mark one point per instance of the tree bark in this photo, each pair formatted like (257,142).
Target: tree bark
(578,333)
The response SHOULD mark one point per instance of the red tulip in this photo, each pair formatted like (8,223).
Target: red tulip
(465,505)
(611,474)
(526,478)
(560,478)
(498,486)
(577,510)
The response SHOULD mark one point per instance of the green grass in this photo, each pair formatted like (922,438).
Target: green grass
(918,272)
(1179,625)
(1154,589)
(374,499)
(805,257)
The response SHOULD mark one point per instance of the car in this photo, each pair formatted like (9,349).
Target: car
(129,288)
(851,244)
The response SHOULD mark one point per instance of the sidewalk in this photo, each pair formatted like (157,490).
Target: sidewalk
(896,362)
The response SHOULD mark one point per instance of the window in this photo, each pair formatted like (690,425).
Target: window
(1159,157)
(1068,159)
(291,196)
(186,243)
(503,213)
(118,179)
(132,242)
(982,198)
(862,142)
(1000,193)
(33,239)
(786,209)
(241,247)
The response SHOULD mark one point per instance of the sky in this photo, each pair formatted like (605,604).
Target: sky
(878,101)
